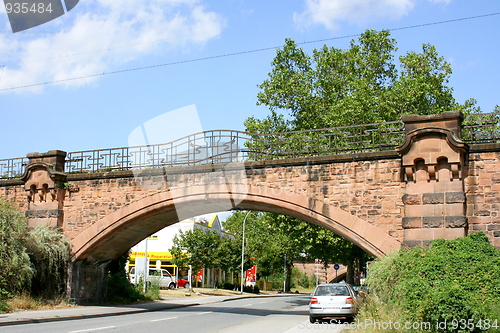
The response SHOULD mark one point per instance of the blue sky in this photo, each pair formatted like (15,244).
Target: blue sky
(100,36)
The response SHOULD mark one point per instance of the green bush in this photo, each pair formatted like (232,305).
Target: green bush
(228,286)
(256,289)
(452,280)
(302,279)
(49,252)
(15,268)
(120,290)
(153,289)
(4,306)
(253,290)
(33,260)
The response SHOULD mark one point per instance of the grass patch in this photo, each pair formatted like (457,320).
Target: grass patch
(25,302)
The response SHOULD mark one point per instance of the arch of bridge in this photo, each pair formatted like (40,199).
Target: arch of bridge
(114,234)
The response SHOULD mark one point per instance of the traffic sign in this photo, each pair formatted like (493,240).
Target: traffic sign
(336,267)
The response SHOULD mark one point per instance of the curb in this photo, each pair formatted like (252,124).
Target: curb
(125,311)
(90,316)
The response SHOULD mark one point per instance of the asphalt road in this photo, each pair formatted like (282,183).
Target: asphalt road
(259,315)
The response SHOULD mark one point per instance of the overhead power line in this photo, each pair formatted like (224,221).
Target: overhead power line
(238,53)
(107,49)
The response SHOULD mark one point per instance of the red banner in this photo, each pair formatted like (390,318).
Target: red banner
(251,276)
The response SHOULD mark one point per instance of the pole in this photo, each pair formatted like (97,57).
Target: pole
(316,272)
(243,251)
(190,277)
(146,265)
(176,276)
(284,274)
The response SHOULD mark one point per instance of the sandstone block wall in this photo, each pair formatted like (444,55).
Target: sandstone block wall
(370,190)
(482,188)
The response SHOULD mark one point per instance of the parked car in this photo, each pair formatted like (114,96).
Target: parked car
(183,282)
(165,278)
(333,300)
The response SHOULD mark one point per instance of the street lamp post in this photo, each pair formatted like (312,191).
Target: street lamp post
(316,260)
(284,274)
(243,251)
(146,266)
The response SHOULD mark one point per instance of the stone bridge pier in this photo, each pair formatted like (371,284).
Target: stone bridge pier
(433,185)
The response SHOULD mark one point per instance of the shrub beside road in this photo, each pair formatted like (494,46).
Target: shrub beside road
(453,285)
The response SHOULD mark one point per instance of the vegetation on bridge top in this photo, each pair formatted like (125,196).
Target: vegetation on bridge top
(341,88)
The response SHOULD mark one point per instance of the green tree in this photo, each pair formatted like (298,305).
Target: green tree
(205,249)
(15,268)
(359,85)
(338,88)
(277,241)
(33,260)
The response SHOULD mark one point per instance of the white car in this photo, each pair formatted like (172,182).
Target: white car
(333,300)
(165,278)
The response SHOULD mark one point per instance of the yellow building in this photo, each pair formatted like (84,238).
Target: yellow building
(158,245)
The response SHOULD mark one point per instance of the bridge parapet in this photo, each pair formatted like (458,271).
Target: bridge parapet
(44,179)
(433,160)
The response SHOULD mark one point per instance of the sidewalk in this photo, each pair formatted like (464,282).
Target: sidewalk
(81,312)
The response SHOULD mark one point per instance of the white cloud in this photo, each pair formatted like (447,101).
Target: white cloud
(443,1)
(91,40)
(331,13)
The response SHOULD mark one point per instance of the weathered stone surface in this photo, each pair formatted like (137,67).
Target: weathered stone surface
(482,213)
(408,244)
(456,221)
(49,213)
(455,197)
(412,222)
(412,199)
(433,221)
(433,198)
(87,284)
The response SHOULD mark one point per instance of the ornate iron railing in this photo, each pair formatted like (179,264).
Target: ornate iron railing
(225,146)
(13,167)
(326,141)
(201,148)
(481,128)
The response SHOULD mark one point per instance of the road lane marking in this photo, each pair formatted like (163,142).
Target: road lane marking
(247,305)
(163,319)
(203,313)
(93,329)
(264,302)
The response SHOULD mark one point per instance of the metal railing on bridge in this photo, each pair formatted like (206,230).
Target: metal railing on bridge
(227,146)
(12,167)
(481,128)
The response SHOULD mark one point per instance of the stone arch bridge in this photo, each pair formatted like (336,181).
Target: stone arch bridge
(381,186)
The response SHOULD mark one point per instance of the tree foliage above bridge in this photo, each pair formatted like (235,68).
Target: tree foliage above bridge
(355,95)
(359,85)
